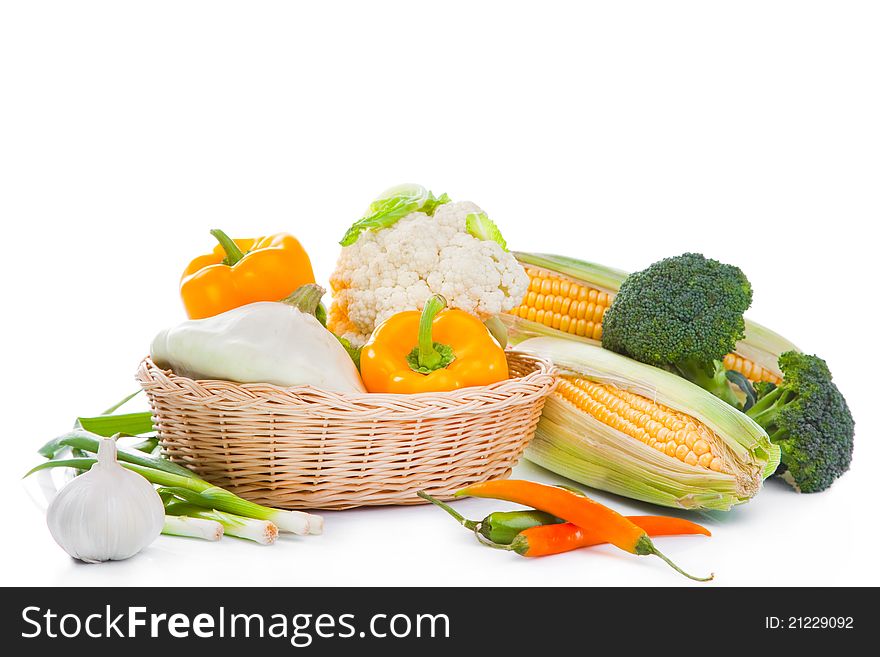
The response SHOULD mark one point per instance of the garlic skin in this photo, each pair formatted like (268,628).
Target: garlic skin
(108,513)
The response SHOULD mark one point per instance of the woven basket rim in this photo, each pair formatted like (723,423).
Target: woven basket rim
(302,447)
(522,389)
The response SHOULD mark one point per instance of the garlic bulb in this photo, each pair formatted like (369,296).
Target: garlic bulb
(107,513)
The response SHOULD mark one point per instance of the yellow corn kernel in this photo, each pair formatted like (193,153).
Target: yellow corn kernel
(670,432)
(752,371)
(583,306)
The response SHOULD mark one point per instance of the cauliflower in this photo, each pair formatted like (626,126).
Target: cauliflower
(399,267)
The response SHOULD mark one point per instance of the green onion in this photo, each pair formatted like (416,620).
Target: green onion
(122,402)
(109,425)
(295,522)
(259,531)
(213,497)
(208,530)
(148,445)
(83,440)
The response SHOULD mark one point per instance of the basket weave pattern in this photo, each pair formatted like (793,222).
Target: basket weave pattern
(305,448)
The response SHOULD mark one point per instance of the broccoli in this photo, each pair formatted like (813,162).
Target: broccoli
(683,314)
(808,418)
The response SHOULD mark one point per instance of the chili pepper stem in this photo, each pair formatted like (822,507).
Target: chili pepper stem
(489,543)
(428,355)
(233,253)
(646,546)
(464,522)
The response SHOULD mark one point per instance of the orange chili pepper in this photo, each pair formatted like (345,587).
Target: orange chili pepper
(402,356)
(608,525)
(544,540)
(537,533)
(244,271)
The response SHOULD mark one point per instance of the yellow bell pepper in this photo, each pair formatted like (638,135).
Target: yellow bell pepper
(402,356)
(244,271)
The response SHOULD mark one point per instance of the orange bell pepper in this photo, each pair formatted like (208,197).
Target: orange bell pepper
(244,271)
(402,356)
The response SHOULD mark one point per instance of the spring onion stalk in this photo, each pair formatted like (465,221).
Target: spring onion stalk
(295,522)
(88,442)
(207,530)
(578,446)
(122,402)
(148,445)
(259,531)
(208,498)
(109,425)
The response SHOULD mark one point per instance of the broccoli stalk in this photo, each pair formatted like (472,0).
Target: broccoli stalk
(808,417)
(683,314)
(712,378)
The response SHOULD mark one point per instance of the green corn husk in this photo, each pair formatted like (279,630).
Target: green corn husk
(761,345)
(571,443)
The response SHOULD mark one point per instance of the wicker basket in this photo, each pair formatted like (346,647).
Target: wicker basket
(304,448)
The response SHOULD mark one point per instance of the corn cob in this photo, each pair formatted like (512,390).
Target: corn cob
(571,296)
(639,431)
(670,432)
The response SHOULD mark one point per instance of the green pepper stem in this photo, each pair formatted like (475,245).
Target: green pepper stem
(492,544)
(233,253)
(429,357)
(464,522)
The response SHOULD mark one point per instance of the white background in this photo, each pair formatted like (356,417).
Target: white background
(617,132)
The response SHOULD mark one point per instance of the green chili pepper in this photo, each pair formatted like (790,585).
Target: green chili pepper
(501,526)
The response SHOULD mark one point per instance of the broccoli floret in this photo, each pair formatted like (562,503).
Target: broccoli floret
(683,314)
(810,421)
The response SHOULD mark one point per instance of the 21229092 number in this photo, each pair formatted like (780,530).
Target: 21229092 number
(820,622)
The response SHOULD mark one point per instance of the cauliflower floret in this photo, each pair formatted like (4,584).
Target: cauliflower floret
(400,267)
